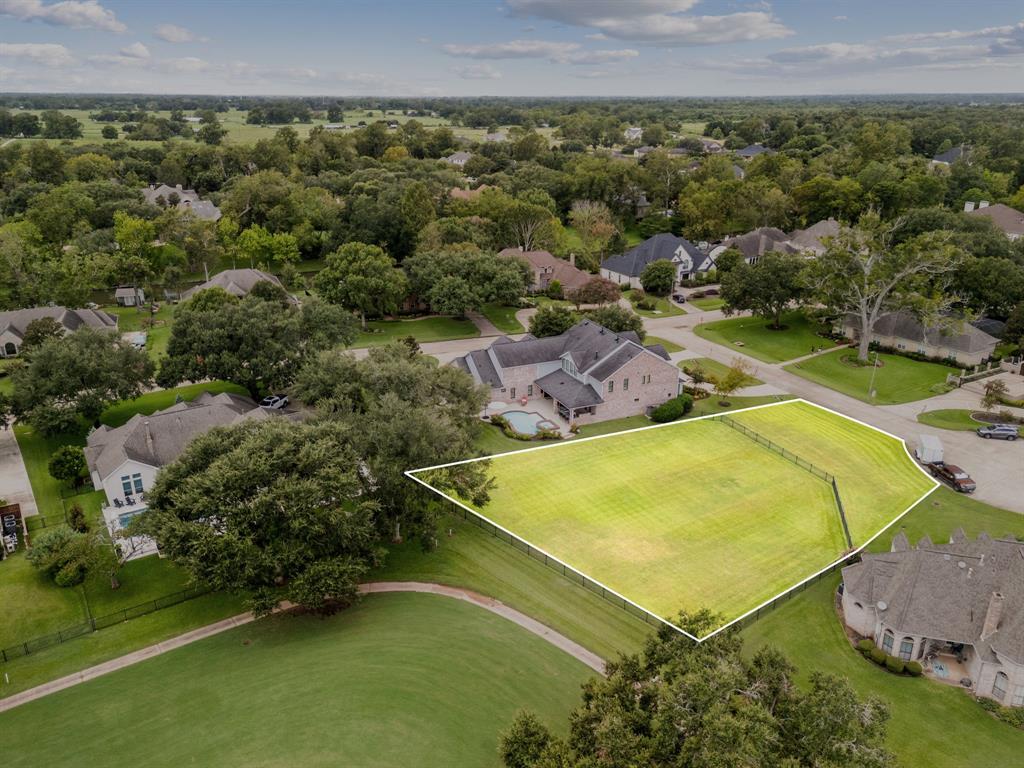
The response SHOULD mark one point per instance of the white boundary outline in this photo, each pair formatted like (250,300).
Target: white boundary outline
(411,474)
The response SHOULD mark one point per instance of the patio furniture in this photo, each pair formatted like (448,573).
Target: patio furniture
(117,503)
(129,501)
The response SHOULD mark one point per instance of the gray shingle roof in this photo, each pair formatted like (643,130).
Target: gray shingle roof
(661,246)
(810,239)
(943,591)
(159,438)
(237,282)
(753,150)
(17,320)
(188,200)
(569,391)
(760,241)
(1008,219)
(903,325)
(950,155)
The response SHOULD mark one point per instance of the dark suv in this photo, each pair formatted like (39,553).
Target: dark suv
(951,474)
(999,432)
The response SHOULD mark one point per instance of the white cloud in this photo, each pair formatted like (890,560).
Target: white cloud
(658,22)
(1010,30)
(172,33)
(841,18)
(47,54)
(597,36)
(556,52)
(81,14)
(477,72)
(135,51)
(185,64)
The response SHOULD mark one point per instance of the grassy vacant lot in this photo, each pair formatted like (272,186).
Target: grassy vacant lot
(932,725)
(950,418)
(756,339)
(423,330)
(411,680)
(503,317)
(751,527)
(877,479)
(713,369)
(896,380)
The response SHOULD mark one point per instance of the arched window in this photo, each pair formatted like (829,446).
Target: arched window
(9,349)
(906,648)
(887,641)
(999,686)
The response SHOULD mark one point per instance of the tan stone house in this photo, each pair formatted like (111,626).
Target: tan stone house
(956,608)
(547,268)
(587,373)
(966,346)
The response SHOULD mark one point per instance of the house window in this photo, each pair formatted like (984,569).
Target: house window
(10,349)
(611,386)
(512,393)
(568,366)
(1017,699)
(131,484)
(625,385)
(126,485)
(999,686)
(906,648)
(529,390)
(887,640)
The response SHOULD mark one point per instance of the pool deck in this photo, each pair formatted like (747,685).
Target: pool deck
(956,671)
(541,408)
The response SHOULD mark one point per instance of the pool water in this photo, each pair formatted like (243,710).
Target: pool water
(527,423)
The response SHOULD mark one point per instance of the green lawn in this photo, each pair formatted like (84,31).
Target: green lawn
(753,337)
(423,330)
(663,307)
(950,418)
(897,379)
(503,317)
(670,346)
(157,326)
(708,303)
(31,605)
(712,369)
(933,725)
(410,680)
(609,510)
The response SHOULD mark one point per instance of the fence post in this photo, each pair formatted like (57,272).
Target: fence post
(842,513)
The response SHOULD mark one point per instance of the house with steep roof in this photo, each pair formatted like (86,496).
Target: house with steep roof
(123,461)
(14,323)
(956,608)
(458,159)
(811,240)
(237,282)
(950,156)
(756,243)
(962,344)
(587,373)
(547,269)
(129,296)
(164,195)
(1008,219)
(627,267)
(753,150)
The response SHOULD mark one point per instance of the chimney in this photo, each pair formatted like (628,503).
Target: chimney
(178,187)
(149,435)
(983,204)
(968,206)
(992,615)
(572,259)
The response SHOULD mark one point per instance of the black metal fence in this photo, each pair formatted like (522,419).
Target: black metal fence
(99,622)
(775,447)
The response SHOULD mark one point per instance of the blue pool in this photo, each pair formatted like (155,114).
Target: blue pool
(126,517)
(527,423)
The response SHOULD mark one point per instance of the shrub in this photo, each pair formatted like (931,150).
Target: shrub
(894,665)
(76,519)
(877,655)
(865,646)
(548,434)
(554,290)
(1012,715)
(989,705)
(61,554)
(913,668)
(673,409)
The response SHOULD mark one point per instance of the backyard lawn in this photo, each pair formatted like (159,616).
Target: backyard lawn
(400,679)
(950,418)
(752,336)
(932,725)
(424,330)
(31,605)
(157,326)
(637,526)
(897,379)
(503,317)
(712,369)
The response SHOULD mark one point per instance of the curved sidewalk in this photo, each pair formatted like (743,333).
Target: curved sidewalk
(558,640)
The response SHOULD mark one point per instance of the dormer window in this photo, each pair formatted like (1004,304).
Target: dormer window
(569,367)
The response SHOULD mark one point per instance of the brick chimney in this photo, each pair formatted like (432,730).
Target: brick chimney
(572,259)
(992,615)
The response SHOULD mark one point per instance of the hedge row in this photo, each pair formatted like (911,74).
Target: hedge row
(895,665)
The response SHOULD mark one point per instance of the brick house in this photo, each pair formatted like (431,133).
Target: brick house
(958,608)
(588,373)
(546,269)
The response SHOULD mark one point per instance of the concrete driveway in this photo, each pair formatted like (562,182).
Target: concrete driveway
(14,484)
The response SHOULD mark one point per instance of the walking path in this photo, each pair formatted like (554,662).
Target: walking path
(485,326)
(14,483)
(558,640)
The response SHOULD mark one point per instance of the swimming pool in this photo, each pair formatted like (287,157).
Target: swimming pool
(527,423)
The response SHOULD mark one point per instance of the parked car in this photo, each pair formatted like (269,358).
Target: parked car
(952,475)
(999,432)
(710,291)
(678,298)
(274,402)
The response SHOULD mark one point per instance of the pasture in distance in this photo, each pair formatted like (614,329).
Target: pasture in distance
(696,514)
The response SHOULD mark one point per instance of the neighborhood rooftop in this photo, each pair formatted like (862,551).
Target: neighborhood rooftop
(237,282)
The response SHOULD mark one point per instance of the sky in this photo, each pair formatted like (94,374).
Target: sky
(512,47)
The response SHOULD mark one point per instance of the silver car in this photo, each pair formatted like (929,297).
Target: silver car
(999,432)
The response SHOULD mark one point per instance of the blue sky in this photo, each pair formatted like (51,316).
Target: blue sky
(512,47)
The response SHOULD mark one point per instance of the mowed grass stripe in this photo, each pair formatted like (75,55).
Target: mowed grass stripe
(678,517)
(877,479)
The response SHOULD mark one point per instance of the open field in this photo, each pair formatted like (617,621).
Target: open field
(897,379)
(749,526)
(752,336)
(401,679)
